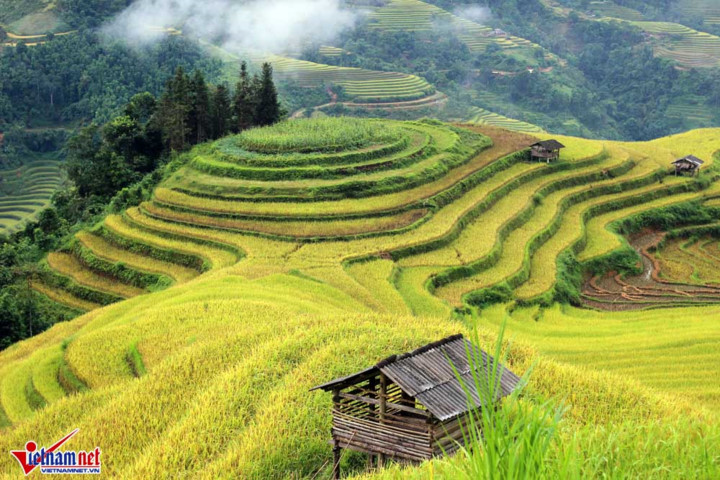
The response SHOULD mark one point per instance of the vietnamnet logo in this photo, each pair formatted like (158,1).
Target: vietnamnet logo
(54,461)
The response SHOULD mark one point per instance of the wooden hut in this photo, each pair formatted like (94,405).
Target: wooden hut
(411,407)
(687,165)
(547,150)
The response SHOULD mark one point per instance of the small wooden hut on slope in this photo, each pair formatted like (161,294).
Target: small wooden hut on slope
(688,165)
(546,151)
(413,406)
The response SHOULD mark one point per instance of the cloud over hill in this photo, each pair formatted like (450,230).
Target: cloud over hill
(257,25)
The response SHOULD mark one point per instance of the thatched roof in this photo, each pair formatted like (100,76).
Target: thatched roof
(427,375)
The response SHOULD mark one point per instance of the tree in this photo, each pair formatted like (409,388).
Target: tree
(12,322)
(199,109)
(141,107)
(714,89)
(3,34)
(82,160)
(244,101)
(49,221)
(121,134)
(268,109)
(221,112)
(94,167)
(174,110)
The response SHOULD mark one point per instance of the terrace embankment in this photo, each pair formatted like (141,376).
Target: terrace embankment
(446,216)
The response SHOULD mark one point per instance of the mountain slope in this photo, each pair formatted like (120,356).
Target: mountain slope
(307,250)
(234,403)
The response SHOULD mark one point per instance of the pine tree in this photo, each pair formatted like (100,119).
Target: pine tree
(221,112)
(199,109)
(174,111)
(244,101)
(268,108)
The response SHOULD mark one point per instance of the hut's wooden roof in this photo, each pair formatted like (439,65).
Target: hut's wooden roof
(427,375)
(690,158)
(549,145)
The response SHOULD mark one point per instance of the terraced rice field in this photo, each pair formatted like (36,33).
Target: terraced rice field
(282,334)
(452,214)
(393,169)
(417,16)
(681,342)
(327,51)
(364,86)
(698,115)
(691,261)
(708,10)
(481,116)
(25,191)
(685,45)
(613,10)
(274,260)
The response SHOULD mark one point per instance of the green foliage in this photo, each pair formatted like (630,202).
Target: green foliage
(94,166)
(104,161)
(85,77)
(19,144)
(69,381)
(245,101)
(26,313)
(668,218)
(89,13)
(568,280)
(220,112)
(514,441)
(268,110)
(135,361)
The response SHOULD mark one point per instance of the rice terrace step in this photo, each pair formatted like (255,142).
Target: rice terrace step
(360,239)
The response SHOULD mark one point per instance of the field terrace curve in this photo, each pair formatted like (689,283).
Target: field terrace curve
(306,242)
(27,190)
(418,217)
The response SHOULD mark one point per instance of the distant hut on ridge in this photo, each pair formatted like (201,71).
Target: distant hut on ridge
(547,150)
(688,165)
(412,407)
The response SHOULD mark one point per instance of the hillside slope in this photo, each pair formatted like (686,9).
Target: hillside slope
(25,191)
(442,216)
(229,362)
(300,252)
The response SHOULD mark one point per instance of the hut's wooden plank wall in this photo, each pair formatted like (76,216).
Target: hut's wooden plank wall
(414,406)
(377,417)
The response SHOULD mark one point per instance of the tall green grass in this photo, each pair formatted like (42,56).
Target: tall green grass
(528,437)
(514,440)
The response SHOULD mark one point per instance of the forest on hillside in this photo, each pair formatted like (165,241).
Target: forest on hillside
(115,166)
(595,79)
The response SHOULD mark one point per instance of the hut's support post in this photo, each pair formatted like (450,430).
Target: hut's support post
(383,409)
(373,388)
(336,462)
(336,447)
